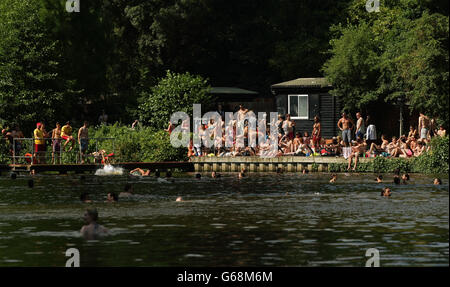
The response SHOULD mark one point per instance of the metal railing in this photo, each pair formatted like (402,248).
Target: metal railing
(24,150)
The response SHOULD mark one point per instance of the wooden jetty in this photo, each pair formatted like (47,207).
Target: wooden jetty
(201,164)
(258,164)
(81,168)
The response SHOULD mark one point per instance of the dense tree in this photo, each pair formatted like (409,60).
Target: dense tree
(173,93)
(31,85)
(399,54)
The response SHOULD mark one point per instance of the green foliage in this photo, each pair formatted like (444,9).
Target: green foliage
(400,53)
(435,161)
(4,152)
(174,93)
(31,88)
(141,145)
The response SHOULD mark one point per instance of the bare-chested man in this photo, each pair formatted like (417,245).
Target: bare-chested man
(83,140)
(424,126)
(92,230)
(346,125)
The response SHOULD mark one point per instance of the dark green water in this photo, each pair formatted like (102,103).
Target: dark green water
(226,221)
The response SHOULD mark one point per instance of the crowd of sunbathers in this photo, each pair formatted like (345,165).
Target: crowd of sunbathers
(356,140)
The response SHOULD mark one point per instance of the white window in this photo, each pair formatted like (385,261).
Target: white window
(298,107)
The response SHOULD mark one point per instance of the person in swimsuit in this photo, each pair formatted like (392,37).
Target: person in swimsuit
(386,192)
(66,134)
(112,197)
(83,140)
(56,143)
(346,125)
(92,230)
(316,133)
(360,126)
(141,172)
(357,150)
(128,191)
(424,126)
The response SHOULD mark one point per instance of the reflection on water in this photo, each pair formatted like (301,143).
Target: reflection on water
(279,220)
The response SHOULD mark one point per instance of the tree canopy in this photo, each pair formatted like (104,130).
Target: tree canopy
(399,54)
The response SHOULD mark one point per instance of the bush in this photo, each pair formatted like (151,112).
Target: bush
(174,93)
(141,145)
(434,161)
(4,152)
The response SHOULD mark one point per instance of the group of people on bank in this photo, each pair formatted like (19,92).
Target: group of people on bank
(356,139)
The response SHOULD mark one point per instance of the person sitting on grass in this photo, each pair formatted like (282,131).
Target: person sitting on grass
(92,230)
(379,149)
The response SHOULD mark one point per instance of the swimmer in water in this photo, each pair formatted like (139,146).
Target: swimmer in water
(405,177)
(92,229)
(198,176)
(396,179)
(379,179)
(241,175)
(279,170)
(128,191)
(386,192)
(437,181)
(84,197)
(179,199)
(333,178)
(305,171)
(213,174)
(141,172)
(112,197)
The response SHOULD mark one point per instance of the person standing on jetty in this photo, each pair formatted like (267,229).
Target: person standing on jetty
(39,143)
(83,140)
(56,144)
(346,125)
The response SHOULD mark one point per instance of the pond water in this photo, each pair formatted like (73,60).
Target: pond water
(262,220)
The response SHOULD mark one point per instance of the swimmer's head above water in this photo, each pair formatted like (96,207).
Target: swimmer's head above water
(84,197)
(379,178)
(112,197)
(90,215)
(386,192)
